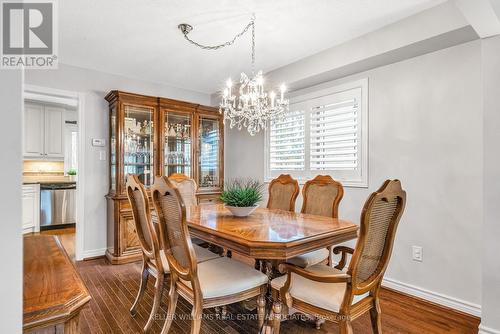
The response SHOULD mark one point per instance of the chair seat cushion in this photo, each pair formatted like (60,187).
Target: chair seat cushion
(310,259)
(327,296)
(225,277)
(202,255)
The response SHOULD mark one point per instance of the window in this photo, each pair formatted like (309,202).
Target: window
(325,132)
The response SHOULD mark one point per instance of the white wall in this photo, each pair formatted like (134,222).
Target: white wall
(95,85)
(425,128)
(10,202)
(491,226)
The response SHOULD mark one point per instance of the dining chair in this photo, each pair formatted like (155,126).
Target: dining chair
(204,285)
(188,188)
(283,192)
(154,262)
(342,296)
(320,196)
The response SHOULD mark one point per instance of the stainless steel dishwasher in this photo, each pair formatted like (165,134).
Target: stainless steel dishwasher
(57,204)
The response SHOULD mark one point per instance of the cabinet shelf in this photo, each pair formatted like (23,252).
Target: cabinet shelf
(137,164)
(175,138)
(178,165)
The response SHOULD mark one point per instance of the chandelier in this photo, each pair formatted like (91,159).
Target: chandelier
(247,104)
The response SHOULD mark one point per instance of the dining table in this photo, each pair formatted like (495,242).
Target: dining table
(268,236)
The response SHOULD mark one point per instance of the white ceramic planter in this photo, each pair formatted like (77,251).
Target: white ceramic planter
(241,211)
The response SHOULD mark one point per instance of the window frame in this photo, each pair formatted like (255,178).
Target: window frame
(347,178)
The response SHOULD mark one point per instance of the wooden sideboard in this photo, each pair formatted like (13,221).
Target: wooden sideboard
(152,136)
(53,292)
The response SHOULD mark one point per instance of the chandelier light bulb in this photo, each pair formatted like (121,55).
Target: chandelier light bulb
(282,90)
(273,96)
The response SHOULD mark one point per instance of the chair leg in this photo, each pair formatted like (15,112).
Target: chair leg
(276,318)
(156,301)
(196,315)
(375,315)
(142,289)
(172,304)
(261,308)
(257,264)
(330,257)
(318,322)
(345,327)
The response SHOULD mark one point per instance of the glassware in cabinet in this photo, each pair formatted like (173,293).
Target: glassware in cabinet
(209,137)
(177,143)
(138,144)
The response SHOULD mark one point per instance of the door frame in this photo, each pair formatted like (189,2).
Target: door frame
(75,100)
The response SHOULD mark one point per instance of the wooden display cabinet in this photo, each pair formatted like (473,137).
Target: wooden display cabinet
(152,136)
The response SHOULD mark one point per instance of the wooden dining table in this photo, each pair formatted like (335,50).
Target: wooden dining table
(269,235)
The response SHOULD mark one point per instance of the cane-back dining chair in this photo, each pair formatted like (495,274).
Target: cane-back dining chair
(208,284)
(283,192)
(187,188)
(338,296)
(154,260)
(320,196)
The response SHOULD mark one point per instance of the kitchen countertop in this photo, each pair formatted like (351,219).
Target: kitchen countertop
(47,179)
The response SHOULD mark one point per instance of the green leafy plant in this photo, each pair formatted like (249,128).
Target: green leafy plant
(242,192)
(72,171)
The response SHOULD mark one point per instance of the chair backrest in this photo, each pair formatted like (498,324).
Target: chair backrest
(187,187)
(321,196)
(173,227)
(138,199)
(379,221)
(283,192)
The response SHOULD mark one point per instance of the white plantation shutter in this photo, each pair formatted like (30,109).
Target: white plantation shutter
(287,143)
(326,132)
(335,132)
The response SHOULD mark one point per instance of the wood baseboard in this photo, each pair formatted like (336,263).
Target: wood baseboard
(129,258)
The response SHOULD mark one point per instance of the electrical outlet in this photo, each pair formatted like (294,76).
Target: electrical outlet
(102,155)
(417,253)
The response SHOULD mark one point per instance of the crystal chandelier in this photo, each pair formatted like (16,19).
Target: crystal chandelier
(247,104)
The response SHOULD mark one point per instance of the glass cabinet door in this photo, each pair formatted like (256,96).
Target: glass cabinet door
(209,156)
(138,145)
(112,143)
(177,144)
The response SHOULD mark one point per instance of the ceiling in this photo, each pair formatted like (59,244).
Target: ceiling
(140,39)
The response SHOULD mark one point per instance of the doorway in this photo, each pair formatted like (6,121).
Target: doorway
(70,235)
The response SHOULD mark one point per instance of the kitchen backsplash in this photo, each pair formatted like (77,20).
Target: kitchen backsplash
(43,168)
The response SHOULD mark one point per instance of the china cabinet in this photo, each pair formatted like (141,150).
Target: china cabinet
(152,136)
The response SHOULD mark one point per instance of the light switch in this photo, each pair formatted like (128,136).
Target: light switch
(417,253)
(102,155)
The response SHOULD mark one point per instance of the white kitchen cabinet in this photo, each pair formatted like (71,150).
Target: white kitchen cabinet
(34,123)
(43,131)
(54,132)
(31,208)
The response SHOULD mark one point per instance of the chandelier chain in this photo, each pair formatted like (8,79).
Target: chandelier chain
(253,44)
(228,43)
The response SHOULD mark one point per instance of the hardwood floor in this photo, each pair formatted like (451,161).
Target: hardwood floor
(114,287)
(67,238)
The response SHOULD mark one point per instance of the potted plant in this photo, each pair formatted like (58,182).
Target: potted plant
(241,196)
(72,174)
